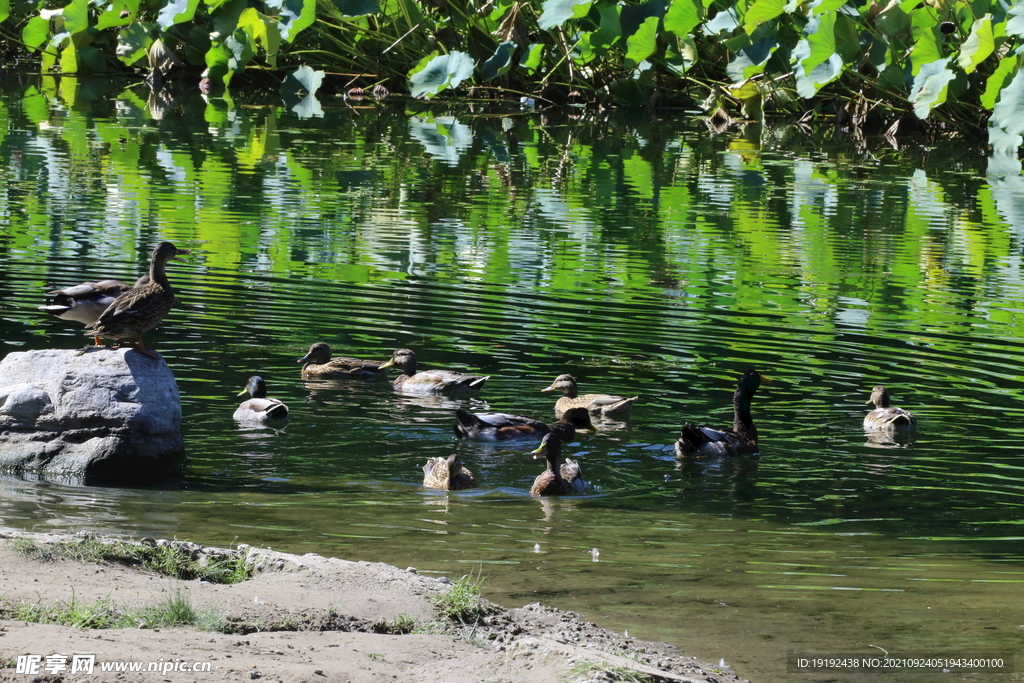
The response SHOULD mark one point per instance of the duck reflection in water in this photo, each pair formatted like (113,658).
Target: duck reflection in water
(739,471)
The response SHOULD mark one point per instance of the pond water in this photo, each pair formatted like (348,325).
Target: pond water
(650,257)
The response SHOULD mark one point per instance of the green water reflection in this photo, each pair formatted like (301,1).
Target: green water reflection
(644,257)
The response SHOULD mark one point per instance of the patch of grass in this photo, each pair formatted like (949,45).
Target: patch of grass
(174,610)
(588,669)
(171,559)
(462,602)
(400,625)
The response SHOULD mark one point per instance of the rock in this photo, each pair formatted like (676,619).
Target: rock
(104,416)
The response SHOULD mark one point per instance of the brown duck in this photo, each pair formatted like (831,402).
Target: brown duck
(320,364)
(142,307)
(447,474)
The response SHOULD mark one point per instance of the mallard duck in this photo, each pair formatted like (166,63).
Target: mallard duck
(555,480)
(319,364)
(505,427)
(742,438)
(430,381)
(447,474)
(598,404)
(142,307)
(259,408)
(885,416)
(85,302)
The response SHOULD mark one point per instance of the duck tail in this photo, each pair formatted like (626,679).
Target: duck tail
(691,438)
(278,412)
(465,423)
(478,382)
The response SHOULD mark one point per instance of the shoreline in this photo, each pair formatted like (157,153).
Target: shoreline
(299,618)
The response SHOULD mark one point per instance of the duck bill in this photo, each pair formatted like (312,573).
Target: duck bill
(243,392)
(551,388)
(387,364)
(765,379)
(304,359)
(538,451)
(177,255)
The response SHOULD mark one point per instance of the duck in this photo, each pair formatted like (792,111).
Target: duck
(447,474)
(259,408)
(85,302)
(741,439)
(505,427)
(430,381)
(557,480)
(607,405)
(142,307)
(320,365)
(885,416)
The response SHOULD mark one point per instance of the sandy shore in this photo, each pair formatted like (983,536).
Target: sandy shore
(309,618)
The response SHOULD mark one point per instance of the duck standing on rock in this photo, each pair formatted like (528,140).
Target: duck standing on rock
(741,439)
(557,480)
(884,416)
(430,381)
(259,408)
(447,474)
(85,302)
(319,364)
(607,405)
(505,427)
(142,307)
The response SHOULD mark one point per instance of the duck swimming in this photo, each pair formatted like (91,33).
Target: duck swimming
(885,416)
(320,365)
(505,427)
(557,480)
(430,381)
(608,405)
(259,408)
(742,438)
(142,307)
(447,474)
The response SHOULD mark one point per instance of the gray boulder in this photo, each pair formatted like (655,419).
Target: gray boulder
(103,416)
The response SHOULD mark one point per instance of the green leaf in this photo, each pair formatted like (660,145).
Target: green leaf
(36,32)
(293,16)
(643,43)
(760,12)
(930,87)
(557,12)
(76,18)
(500,62)
(978,46)
(1008,113)
(242,46)
(750,60)
(819,43)
(893,22)
(5,9)
(610,30)
(176,12)
(133,43)
(1007,66)
(827,6)
(111,17)
(808,84)
(1015,23)
(302,81)
(439,73)
(357,8)
(69,58)
(726,20)
(531,58)
(226,20)
(218,69)
(927,50)
(683,16)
